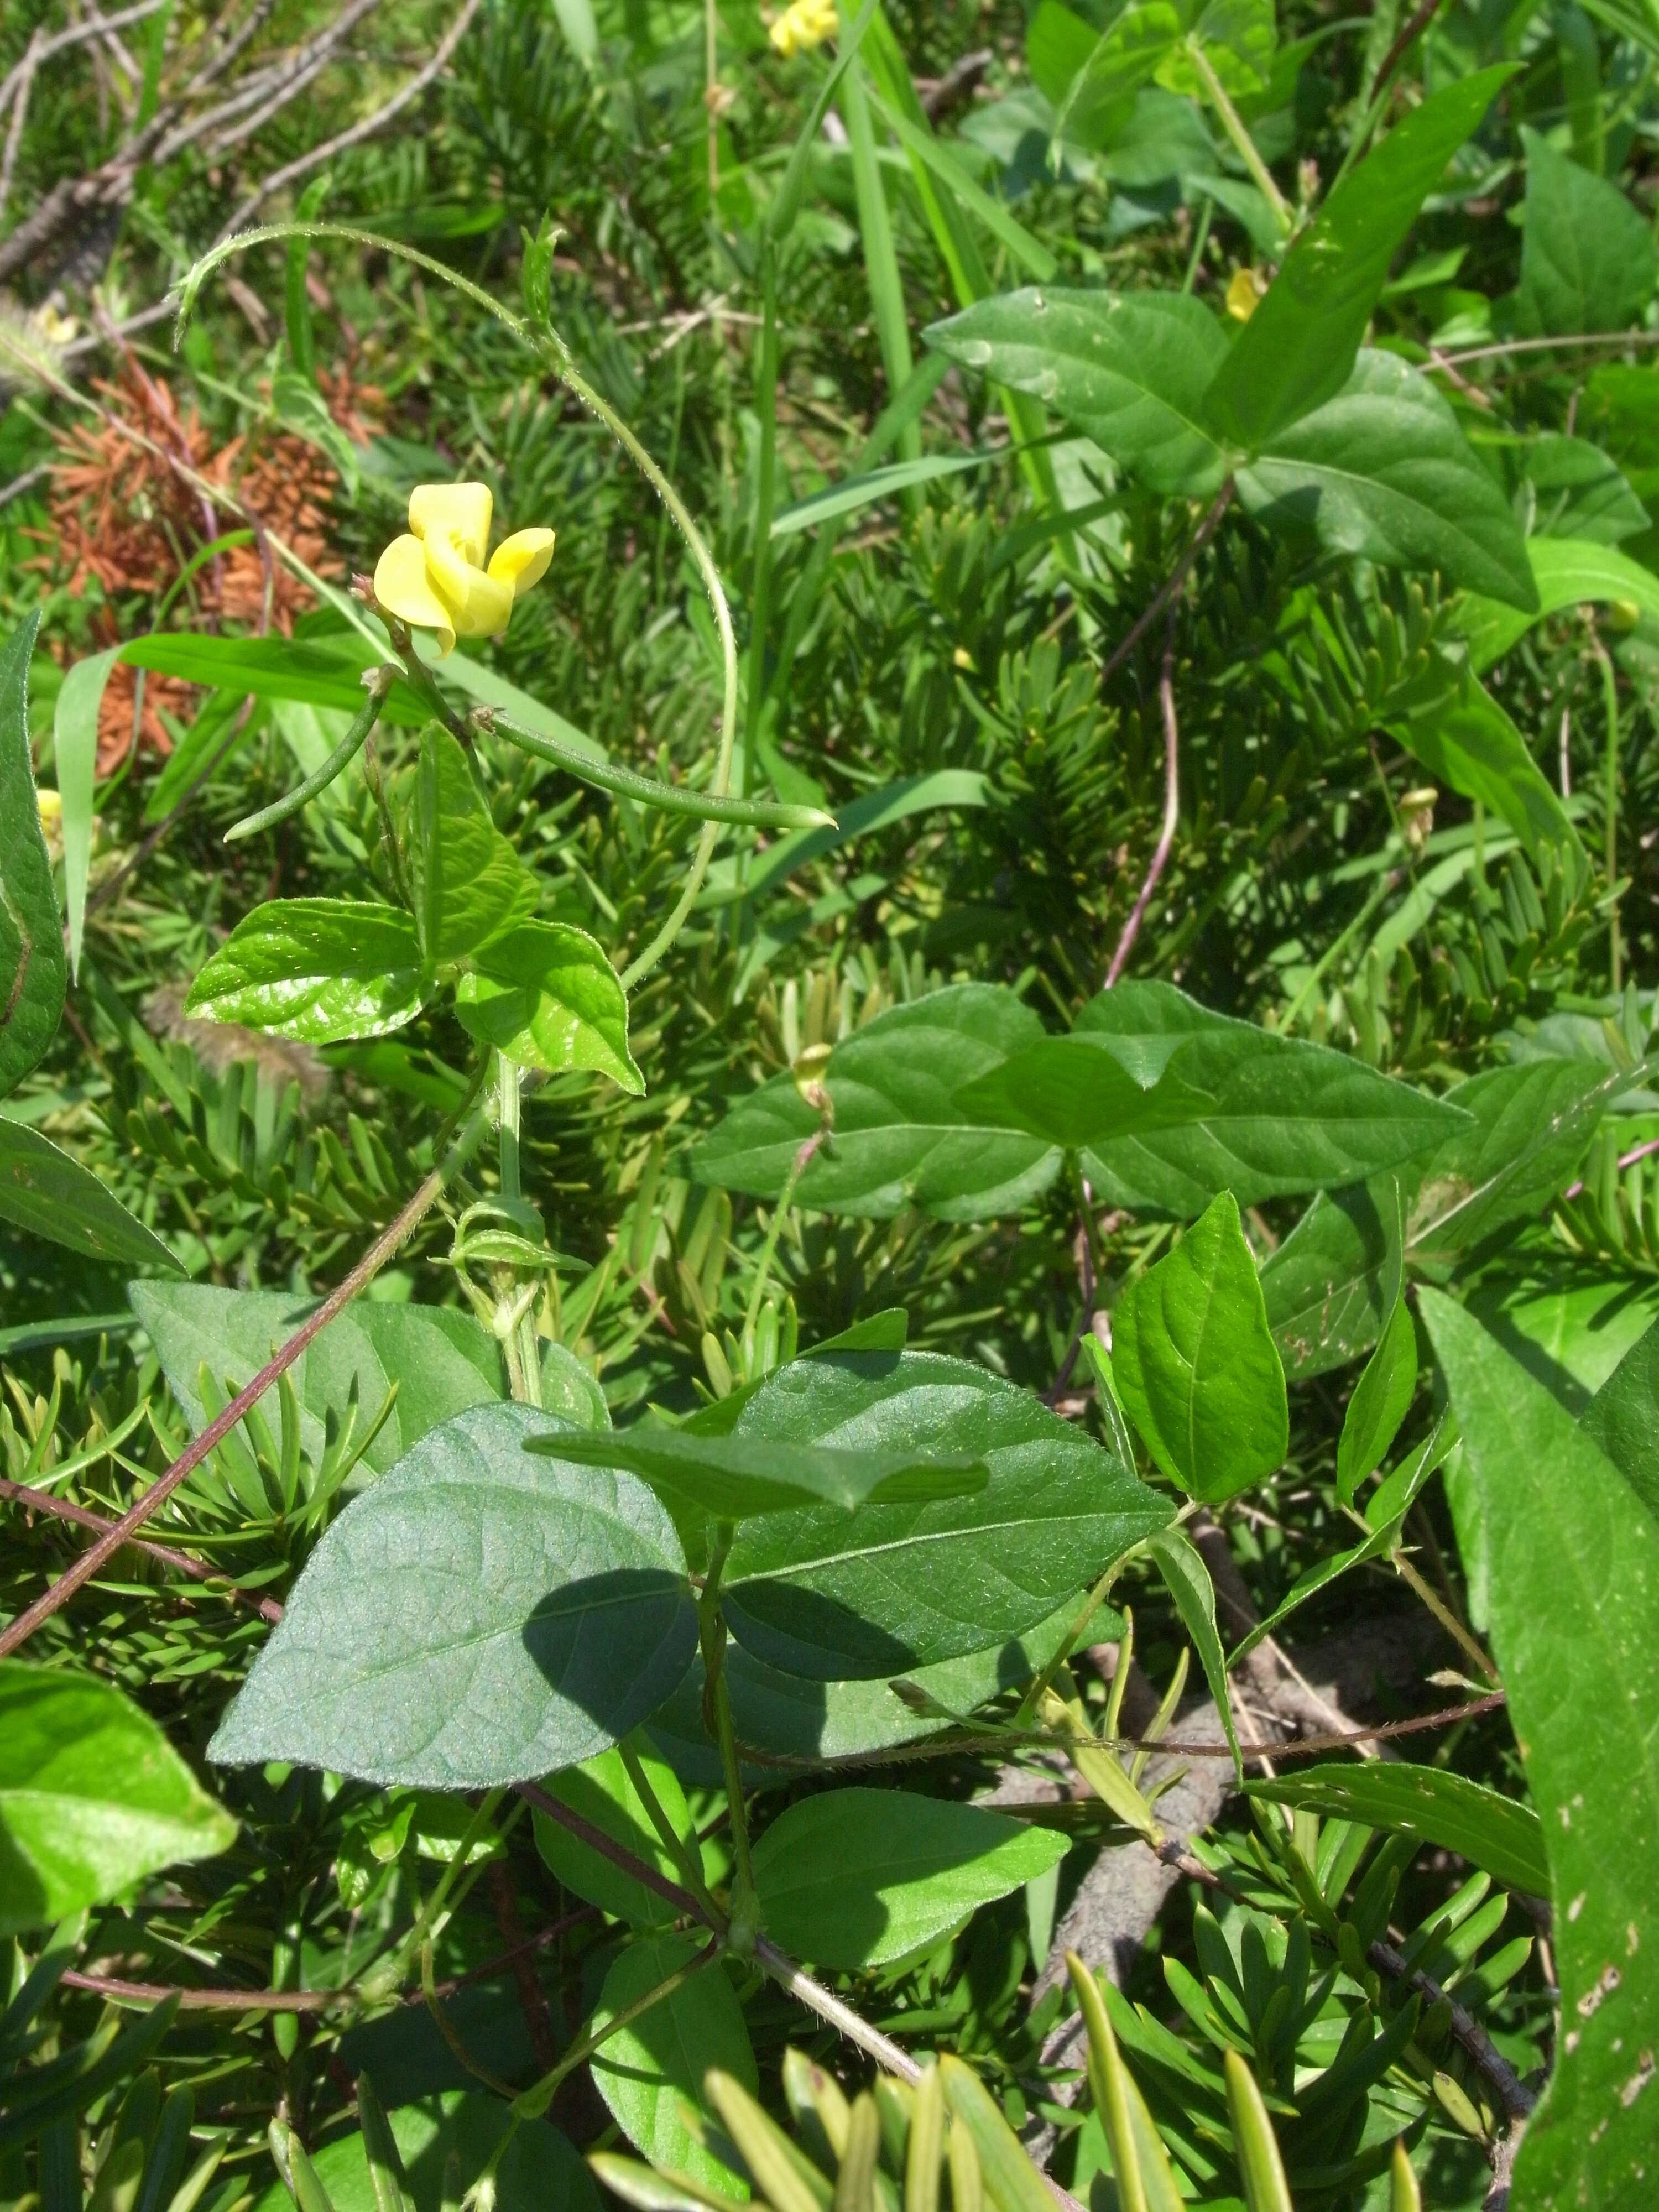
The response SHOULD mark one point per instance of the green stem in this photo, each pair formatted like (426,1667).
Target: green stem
(1233,124)
(763,1271)
(1610,706)
(670,798)
(880,260)
(507,1125)
(379,682)
(1087,1217)
(682,1854)
(744,1916)
(766,406)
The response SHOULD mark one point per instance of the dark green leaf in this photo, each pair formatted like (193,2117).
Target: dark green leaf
(901,1586)
(858,1877)
(734,1477)
(1288,1117)
(644,2070)
(1195,1366)
(1066,1091)
(1572,1565)
(476,1616)
(898,1138)
(1382,470)
(1622,1419)
(1188,1580)
(1588,258)
(1436,1806)
(545,995)
(316,969)
(1298,349)
(33,973)
(93,1797)
(469,883)
(1325,1286)
(438,1359)
(1127,369)
(1382,1399)
(42,1190)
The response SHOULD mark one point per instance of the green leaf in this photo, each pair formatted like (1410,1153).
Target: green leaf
(1569,572)
(1385,1511)
(1298,349)
(1573,1580)
(1195,1366)
(1068,1091)
(45,1191)
(1187,1578)
(1467,739)
(32,975)
(1325,1288)
(1127,369)
(1588,258)
(536,2167)
(1430,1803)
(1289,1116)
(1383,472)
(469,883)
(1127,58)
(319,971)
(436,1359)
(852,493)
(476,1616)
(898,1138)
(545,995)
(735,1477)
(93,1797)
(858,1877)
(1238,38)
(901,1586)
(1382,1399)
(74,749)
(601,1791)
(1530,1127)
(270,668)
(301,409)
(1622,1419)
(644,2070)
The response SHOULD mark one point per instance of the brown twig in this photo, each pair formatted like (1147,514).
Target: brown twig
(190,2000)
(92,1561)
(60,1509)
(1410,32)
(1172,583)
(1172,804)
(22,77)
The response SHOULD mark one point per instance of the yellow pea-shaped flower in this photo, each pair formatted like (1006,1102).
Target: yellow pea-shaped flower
(804,24)
(437,578)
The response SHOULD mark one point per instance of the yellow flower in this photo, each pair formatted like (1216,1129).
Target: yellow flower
(435,578)
(804,24)
(1245,293)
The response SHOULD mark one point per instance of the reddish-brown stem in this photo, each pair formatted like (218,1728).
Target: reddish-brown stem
(98,1555)
(1171,805)
(619,1855)
(59,1508)
(1624,1160)
(1172,583)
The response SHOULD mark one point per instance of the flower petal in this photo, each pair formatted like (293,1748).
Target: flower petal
(461,510)
(522,560)
(479,604)
(404,588)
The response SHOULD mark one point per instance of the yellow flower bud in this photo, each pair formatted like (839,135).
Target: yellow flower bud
(1244,294)
(436,577)
(803,24)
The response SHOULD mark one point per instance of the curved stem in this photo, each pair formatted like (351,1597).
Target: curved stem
(379,682)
